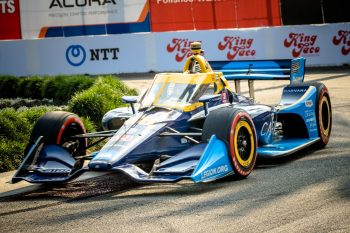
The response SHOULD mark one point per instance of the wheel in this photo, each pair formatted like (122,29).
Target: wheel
(323,114)
(57,128)
(236,128)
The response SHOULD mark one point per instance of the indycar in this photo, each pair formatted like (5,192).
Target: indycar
(186,126)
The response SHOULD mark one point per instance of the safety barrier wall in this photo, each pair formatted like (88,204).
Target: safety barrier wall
(321,45)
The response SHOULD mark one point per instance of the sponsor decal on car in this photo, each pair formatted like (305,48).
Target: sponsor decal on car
(237,47)
(266,129)
(309,103)
(214,171)
(295,90)
(310,119)
(302,44)
(342,39)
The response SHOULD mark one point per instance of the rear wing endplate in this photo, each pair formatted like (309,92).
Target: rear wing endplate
(286,69)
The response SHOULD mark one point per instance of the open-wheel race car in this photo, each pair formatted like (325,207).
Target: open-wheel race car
(187,125)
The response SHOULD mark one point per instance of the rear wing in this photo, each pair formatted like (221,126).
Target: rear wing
(286,69)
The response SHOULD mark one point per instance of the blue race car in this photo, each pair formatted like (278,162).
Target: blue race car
(186,126)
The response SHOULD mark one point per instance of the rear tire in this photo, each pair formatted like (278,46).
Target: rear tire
(236,128)
(57,128)
(323,114)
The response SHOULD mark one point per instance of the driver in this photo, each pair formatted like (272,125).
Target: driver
(196,63)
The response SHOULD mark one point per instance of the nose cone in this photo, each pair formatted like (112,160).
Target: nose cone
(131,138)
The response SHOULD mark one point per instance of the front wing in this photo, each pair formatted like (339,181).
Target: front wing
(200,163)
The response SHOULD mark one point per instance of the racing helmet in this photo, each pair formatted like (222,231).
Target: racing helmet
(196,47)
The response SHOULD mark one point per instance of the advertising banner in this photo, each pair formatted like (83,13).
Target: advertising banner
(321,45)
(62,18)
(75,55)
(170,15)
(217,45)
(10,27)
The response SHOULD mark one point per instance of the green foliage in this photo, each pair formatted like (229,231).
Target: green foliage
(88,124)
(8,86)
(14,132)
(12,125)
(32,114)
(103,96)
(60,88)
(11,156)
(20,102)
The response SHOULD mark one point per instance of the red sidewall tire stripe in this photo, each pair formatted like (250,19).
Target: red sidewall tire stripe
(67,122)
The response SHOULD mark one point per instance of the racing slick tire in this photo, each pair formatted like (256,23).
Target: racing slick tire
(236,128)
(323,114)
(57,127)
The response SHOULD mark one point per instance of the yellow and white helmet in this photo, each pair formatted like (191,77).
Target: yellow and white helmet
(196,47)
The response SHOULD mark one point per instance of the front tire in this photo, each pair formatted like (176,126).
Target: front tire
(236,128)
(57,128)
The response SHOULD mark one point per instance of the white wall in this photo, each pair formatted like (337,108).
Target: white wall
(322,45)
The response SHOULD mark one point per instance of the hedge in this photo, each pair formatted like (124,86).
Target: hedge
(15,128)
(21,102)
(104,95)
(60,89)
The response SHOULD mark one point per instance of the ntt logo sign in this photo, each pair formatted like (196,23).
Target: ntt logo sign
(76,54)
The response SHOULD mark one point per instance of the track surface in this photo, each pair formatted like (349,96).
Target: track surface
(306,192)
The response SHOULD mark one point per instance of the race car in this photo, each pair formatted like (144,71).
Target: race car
(188,125)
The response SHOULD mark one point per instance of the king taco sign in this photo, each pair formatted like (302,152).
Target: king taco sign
(181,48)
(343,39)
(302,44)
(237,47)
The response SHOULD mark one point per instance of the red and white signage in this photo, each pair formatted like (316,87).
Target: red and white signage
(321,45)
(342,40)
(10,27)
(302,44)
(316,43)
(180,48)
(237,47)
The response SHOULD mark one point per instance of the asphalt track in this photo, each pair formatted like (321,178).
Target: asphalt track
(306,192)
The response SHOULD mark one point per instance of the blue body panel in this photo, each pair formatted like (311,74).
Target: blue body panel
(284,147)
(203,163)
(214,163)
(286,69)
(301,101)
(138,140)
